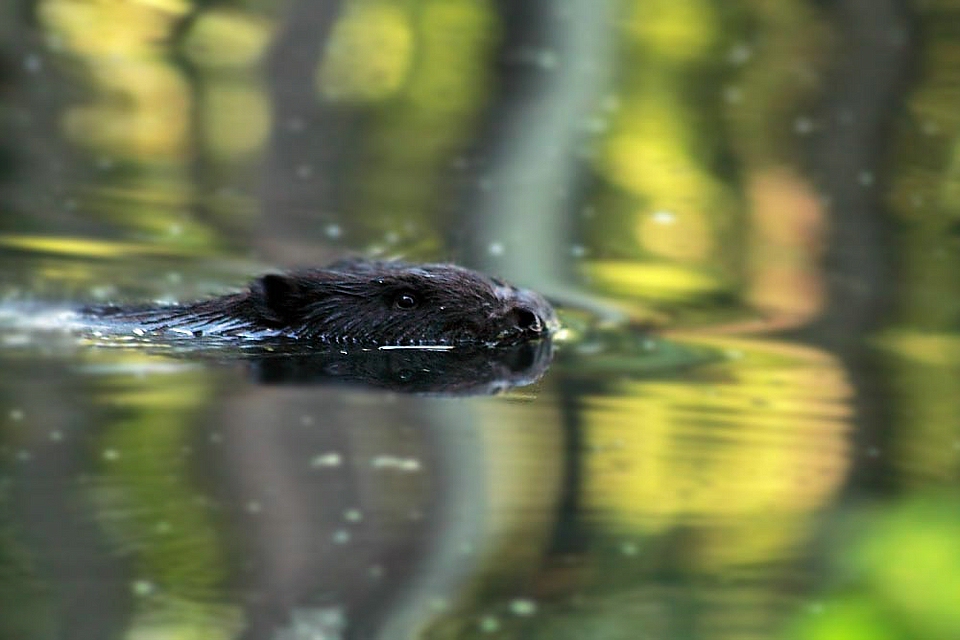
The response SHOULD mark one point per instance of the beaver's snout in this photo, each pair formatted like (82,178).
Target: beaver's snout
(527,316)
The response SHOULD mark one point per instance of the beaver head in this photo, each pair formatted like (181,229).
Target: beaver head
(370,303)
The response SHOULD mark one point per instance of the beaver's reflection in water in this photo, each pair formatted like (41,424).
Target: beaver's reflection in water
(460,371)
(356,513)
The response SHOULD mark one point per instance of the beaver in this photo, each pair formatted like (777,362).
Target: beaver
(359,302)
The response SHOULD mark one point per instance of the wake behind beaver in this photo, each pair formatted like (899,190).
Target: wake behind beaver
(360,302)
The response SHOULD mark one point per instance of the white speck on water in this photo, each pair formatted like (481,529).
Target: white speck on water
(16,340)
(438,604)
(739,54)
(305,171)
(664,217)
(331,459)
(32,63)
(16,415)
(496,249)
(341,536)
(393,462)
(333,231)
(489,624)
(352,515)
(296,125)
(523,607)
(254,507)
(865,178)
(596,125)
(142,588)
(733,95)
(56,436)
(803,126)
(543,58)
(102,292)
(111,455)
(610,103)
(137,331)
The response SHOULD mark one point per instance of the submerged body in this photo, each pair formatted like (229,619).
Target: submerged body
(375,303)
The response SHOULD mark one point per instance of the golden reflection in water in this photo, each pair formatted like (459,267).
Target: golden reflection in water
(745,456)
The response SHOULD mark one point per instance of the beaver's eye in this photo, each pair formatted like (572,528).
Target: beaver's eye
(405,300)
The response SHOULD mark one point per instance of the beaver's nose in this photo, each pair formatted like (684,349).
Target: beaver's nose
(526,320)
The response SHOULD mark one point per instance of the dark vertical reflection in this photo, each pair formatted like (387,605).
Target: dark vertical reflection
(554,65)
(852,160)
(310,142)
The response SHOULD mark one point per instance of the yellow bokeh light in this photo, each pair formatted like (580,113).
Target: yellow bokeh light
(369,54)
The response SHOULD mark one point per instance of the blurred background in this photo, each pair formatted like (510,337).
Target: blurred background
(774,185)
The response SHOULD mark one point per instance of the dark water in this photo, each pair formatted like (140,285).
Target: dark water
(749,427)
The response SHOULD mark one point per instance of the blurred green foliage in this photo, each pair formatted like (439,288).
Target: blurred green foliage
(899,576)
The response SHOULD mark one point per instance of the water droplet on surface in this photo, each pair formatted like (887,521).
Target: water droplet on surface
(733,95)
(330,459)
(32,63)
(803,126)
(333,231)
(523,607)
(489,624)
(664,217)
(739,54)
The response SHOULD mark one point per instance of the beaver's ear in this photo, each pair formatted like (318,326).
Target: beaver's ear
(278,297)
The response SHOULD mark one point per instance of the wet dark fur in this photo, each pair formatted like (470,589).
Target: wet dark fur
(362,302)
